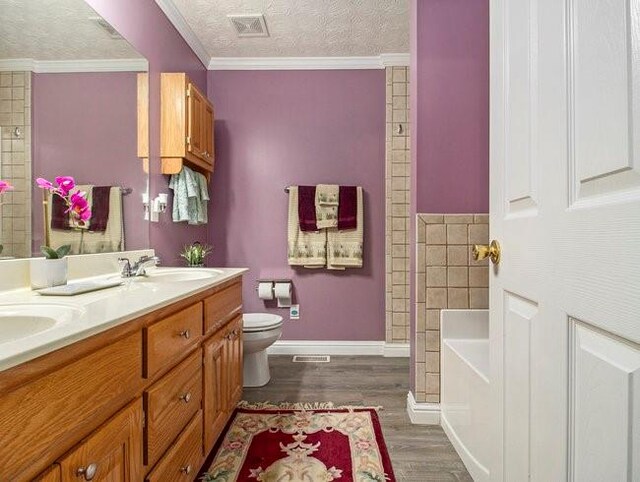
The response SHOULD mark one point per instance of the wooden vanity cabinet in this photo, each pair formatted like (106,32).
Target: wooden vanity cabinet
(140,401)
(112,453)
(186,125)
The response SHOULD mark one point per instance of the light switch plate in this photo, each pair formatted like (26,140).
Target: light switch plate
(294,312)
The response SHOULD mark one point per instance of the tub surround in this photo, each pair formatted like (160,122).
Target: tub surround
(98,311)
(466,397)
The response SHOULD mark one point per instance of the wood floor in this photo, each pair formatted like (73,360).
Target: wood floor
(418,453)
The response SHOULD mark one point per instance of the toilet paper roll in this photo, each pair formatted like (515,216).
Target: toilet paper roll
(283,294)
(265,291)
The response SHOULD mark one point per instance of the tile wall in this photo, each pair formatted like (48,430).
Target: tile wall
(447,277)
(15,163)
(398,163)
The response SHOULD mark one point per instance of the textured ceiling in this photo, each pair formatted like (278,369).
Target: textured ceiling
(56,30)
(302,28)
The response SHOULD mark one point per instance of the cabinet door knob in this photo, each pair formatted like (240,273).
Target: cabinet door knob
(186,334)
(88,472)
(186,398)
(186,469)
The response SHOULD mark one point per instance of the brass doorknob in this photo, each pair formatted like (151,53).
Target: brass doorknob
(491,251)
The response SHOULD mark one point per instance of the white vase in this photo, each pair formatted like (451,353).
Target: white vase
(46,273)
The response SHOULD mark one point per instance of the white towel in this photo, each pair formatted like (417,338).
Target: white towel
(305,248)
(327,200)
(90,242)
(344,248)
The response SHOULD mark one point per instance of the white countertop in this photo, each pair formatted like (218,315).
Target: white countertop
(98,311)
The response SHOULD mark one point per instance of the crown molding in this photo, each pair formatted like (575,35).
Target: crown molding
(181,25)
(308,63)
(68,66)
(395,60)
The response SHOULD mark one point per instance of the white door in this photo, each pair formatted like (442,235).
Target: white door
(565,207)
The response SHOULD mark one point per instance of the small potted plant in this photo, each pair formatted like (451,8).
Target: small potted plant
(4,187)
(195,253)
(52,269)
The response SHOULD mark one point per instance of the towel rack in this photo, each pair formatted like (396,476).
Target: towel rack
(286,189)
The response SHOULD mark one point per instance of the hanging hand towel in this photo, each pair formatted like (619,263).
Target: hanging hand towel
(344,248)
(190,197)
(307,208)
(348,208)
(308,249)
(327,201)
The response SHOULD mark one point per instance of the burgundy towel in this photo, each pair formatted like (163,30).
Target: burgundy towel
(307,208)
(100,208)
(59,216)
(348,208)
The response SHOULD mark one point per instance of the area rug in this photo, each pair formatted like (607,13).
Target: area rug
(301,442)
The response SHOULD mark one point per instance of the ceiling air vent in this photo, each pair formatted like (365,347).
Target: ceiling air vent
(106,26)
(249,25)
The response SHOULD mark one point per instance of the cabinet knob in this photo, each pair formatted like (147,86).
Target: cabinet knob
(186,334)
(186,469)
(186,398)
(88,472)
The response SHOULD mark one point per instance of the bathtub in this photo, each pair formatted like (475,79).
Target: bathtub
(464,400)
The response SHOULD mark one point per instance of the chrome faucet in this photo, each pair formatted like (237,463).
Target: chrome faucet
(138,268)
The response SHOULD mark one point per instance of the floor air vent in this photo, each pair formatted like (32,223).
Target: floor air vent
(311,359)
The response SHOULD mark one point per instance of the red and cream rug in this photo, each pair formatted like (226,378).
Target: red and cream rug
(302,442)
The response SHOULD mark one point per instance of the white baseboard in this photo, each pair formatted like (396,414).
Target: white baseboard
(478,472)
(337,348)
(422,413)
(397,350)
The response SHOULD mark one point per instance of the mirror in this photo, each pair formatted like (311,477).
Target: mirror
(69,97)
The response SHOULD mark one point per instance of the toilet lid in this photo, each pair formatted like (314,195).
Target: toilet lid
(260,321)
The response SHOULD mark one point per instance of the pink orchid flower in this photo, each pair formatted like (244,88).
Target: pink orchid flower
(76,201)
(79,206)
(5,186)
(65,184)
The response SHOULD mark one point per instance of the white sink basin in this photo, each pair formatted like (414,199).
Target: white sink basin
(180,274)
(18,321)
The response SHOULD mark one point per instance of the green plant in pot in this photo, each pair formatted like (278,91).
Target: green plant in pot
(194,254)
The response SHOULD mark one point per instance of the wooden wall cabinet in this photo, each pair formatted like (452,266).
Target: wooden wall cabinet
(146,400)
(186,125)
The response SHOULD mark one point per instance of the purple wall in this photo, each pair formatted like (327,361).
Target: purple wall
(451,73)
(146,27)
(84,125)
(275,128)
(449,113)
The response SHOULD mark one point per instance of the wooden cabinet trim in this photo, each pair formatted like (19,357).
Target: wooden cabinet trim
(169,405)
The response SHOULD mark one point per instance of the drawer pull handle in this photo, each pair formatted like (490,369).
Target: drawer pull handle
(88,472)
(186,398)
(186,469)
(186,334)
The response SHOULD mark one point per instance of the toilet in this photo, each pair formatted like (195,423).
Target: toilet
(260,330)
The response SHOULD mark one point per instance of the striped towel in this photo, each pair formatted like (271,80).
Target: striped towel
(305,248)
(344,248)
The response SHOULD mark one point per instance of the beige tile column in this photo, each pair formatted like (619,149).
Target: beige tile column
(398,164)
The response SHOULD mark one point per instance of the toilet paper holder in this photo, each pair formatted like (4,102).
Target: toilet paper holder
(271,292)
(273,281)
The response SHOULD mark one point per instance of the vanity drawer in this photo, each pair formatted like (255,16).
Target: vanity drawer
(170,339)
(46,417)
(170,404)
(219,307)
(183,460)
